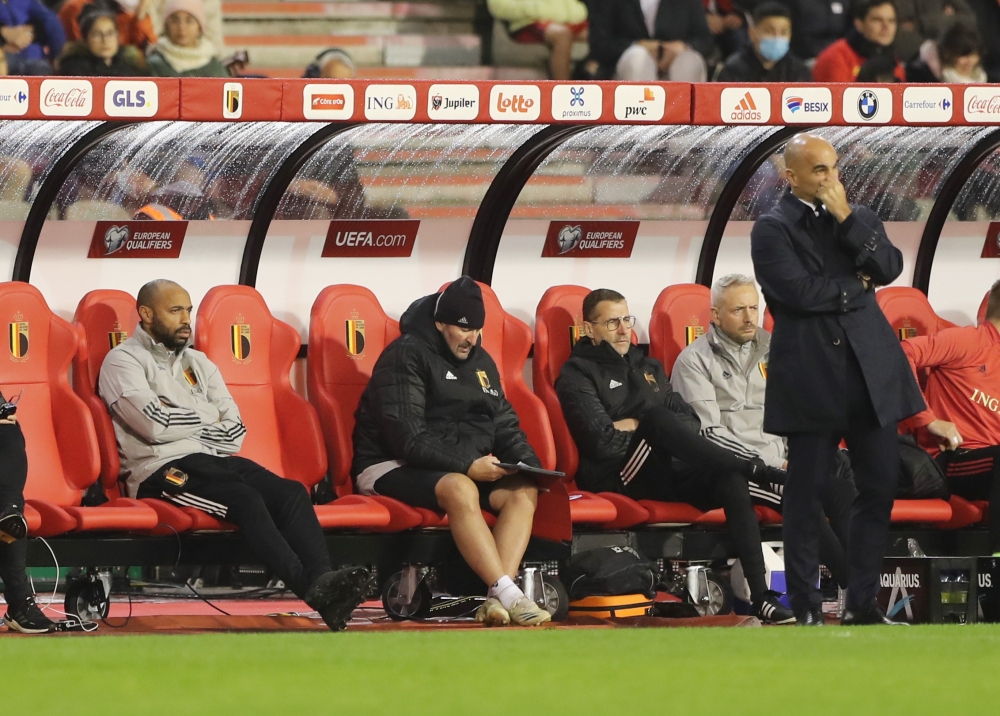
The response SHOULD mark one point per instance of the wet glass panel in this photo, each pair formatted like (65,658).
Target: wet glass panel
(979,199)
(397,171)
(657,172)
(179,170)
(894,170)
(28,151)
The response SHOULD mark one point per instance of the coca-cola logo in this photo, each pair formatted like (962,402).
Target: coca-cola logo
(982,104)
(66,98)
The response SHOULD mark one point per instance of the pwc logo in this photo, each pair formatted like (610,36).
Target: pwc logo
(390,102)
(806,105)
(515,103)
(14,97)
(131,98)
(640,103)
(327,101)
(66,98)
(741,105)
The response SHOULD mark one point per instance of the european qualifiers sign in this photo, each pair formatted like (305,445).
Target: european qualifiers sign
(137,240)
(376,238)
(590,239)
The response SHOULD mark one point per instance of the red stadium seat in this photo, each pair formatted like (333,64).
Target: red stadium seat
(909,312)
(963,514)
(255,352)
(681,314)
(508,341)
(925,511)
(556,318)
(348,331)
(768,322)
(104,319)
(63,455)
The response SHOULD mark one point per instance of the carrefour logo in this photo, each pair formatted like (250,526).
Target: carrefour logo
(13,98)
(806,104)
(927,104)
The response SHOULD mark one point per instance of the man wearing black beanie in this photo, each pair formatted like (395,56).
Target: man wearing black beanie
(430,429)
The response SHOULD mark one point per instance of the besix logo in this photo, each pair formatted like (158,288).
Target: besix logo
(515,103)
(640,103)
(577,102)
(66,98)
(811,105)
(745,106)
(14,97)
(327,101)
(131,98)
(390,102)
(453,102)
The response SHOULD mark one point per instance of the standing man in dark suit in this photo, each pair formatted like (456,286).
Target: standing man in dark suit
(650,40)
(836,369)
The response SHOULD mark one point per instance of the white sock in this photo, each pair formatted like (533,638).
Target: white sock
(506,591)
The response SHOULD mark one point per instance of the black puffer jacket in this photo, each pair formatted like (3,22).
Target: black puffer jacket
(597,386)
(427,408)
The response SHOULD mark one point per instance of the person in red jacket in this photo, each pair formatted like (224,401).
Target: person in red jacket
(961,426)
(870,39)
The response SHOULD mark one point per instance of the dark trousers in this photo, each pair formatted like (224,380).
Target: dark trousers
(274,515)
(671,462)
(973,474)
(13,474)
(874,451)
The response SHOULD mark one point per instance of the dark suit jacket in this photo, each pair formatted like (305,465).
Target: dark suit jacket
(616,24)
(821,310)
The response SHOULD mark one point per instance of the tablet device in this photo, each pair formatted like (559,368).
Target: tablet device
(530,470)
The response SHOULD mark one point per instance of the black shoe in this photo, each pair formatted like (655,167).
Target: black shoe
(811,618)
(335,595)
(771,611)
(873,614)
(27,618)
(12,524)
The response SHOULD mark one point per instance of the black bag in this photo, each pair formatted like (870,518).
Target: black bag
(920,475)
(609,572)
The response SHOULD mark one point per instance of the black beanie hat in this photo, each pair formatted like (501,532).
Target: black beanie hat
(461,304)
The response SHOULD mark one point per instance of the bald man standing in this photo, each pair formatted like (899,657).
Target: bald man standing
(178,432)
(836,370)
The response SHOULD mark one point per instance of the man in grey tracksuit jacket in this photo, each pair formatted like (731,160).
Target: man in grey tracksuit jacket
(178,431)
(723,376)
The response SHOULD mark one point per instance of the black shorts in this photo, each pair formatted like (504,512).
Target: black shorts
(414,486)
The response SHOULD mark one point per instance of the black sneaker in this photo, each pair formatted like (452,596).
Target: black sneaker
(12,524)
(771,611)
(336,595)
(27,618)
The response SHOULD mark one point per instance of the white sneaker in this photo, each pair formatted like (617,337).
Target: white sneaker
(492,614)
(525,612)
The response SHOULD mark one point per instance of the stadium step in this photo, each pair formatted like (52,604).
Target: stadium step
(284,51)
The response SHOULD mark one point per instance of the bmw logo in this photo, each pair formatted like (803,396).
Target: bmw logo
(867,105)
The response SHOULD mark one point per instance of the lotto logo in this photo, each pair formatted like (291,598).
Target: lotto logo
(515,103)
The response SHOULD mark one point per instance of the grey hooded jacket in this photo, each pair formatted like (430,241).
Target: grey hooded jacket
(728,398)
(164,405)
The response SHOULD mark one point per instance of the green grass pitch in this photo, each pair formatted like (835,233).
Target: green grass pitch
(916,670)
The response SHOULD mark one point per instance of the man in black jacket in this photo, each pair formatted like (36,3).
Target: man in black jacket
(648,40)
(767,58)
(638,437)
(836,369)
(431,428)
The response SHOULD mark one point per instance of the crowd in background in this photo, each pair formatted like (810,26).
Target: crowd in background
(764,40)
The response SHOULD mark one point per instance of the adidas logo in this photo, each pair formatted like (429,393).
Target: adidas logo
(746,103)
(450,376)
(614,384)
(463,321)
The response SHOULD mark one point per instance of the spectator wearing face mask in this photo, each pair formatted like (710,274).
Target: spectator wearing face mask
(99,54)
(956,58)
(767,58)
(131,17)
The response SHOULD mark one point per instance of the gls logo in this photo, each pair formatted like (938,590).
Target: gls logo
(515,103)
(390,102)
(806,105)
(131,99)
(13,97)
